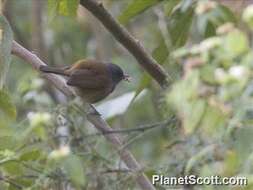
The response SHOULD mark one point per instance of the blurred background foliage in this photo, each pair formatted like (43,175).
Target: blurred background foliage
(205,46)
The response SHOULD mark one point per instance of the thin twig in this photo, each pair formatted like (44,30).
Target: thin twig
(136,129)
(9,181)
(133,45)
(95,119)
(108,171)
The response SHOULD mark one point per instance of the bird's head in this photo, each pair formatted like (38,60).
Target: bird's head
(117,73)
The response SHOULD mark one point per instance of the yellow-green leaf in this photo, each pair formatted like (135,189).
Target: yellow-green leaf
(236,43)
(6,105)
(169,6)
(198,158)
(74,168)
(62,7)
(179,25)
(68,7)
(134,8)
(52,6)
(193,114)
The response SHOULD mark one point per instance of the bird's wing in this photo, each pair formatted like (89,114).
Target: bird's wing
(85,78)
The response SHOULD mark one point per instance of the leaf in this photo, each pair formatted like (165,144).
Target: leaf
(68,7)
(74,168)
(52,8)
(207,73)
(248,16)
(179,25)
(193,115)
(226,14)
(184,91)
(198,158)
(160,54)
(13,168)
(207,23)
(236,43)
(6,37)
(213,121)
(136,7)
(242,141)
(231,163)
(62,7)
(33,155)
(7,142)
(6,105)
(144,82)
(204,26)
(169,6)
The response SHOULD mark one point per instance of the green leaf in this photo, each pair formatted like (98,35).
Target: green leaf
(207,73)
(208,22)
(179,25)
(13,168)
(74,168)
(134,8)
(236,43)
(242,141)
(184,90)
(213,121)
(6,38)
(34,154)
(161,53)
(144,82)
(226,14)
(52,8)
(231,163)
(248,16)
(62,7)
(7,142)
(169,6)
(6,105)
(68,7)
(193,115)
(198,158)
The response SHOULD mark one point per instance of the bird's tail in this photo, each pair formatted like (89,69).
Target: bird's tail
(47,69)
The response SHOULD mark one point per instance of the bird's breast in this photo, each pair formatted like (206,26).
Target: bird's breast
(94,95)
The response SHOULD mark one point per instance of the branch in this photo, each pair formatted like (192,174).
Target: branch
(12,183)
(130,130)
(95,119)
(127,40)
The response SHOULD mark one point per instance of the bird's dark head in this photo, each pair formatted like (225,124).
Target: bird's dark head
(117,73)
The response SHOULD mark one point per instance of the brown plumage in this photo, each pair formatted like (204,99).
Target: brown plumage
(93,80)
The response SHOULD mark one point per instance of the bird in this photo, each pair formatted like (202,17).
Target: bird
(92,80)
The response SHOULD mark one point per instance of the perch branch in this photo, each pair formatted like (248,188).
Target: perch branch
(96,120)
(127,40)
(137,129)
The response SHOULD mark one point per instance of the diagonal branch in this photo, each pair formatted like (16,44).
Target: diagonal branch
(95,119)
(127,40)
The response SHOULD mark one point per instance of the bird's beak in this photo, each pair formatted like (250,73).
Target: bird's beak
(127,78)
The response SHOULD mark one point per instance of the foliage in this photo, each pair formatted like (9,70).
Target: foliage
(46,143)
(134,8)
(63,7)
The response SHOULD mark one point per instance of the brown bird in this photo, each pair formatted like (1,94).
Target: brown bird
(93,80)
